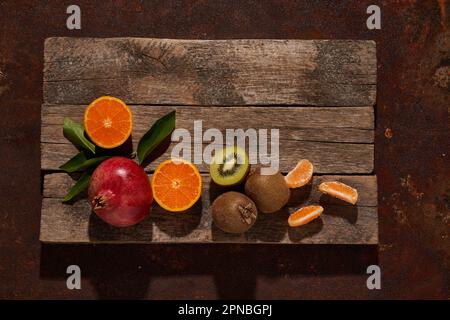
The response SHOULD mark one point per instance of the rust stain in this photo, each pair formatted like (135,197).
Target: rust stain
(399,215)
(442,77)
(384,247)
(442,11)
(412,189)
(3,83)
(388,133)
(430,210)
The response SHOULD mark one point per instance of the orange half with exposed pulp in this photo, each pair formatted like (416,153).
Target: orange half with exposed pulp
(176,185)
(108,122)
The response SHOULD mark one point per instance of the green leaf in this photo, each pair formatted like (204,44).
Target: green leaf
(74,132)
(81,161)
(79,186)
(157,133)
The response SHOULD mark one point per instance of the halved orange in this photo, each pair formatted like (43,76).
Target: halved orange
(176,185)
(304,215)
(339,190)
(300,175)
(108,122)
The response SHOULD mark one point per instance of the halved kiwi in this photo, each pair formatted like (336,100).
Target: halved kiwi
(229,166)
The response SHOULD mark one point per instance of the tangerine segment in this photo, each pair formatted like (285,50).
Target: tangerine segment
(300,175)
(176,185)
(108,122)
(304,215)
(339,190)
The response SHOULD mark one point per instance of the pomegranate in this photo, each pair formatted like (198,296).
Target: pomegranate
(120,192)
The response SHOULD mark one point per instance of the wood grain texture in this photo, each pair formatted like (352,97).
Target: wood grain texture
(205,72)
(336,140)
(318,93)
(340,224)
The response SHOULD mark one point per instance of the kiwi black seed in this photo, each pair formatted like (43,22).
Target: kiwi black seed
(269,192)
(234,212)
(229,166)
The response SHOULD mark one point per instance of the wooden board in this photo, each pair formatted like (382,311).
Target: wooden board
(335,142)
(319,94)
(204,72)
(340,223)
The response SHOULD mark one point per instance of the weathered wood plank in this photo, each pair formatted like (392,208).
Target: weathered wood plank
(211,72)
(336,158)
(327,124)
(336,140)
(340,223)
(56,185)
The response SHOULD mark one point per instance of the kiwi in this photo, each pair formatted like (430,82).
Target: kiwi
(234,212)
(229,166)
(269,192)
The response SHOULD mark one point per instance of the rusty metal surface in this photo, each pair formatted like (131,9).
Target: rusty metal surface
(412,158)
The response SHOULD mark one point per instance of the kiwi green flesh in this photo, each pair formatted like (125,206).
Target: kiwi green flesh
(232,170)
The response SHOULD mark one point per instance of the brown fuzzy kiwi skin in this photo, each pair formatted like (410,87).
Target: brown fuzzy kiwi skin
(234,212)
(269,192)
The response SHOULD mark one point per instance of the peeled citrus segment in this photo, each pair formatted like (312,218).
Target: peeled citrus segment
(300,175)
(304,215)
(108,122)
(339,190)
(176,185)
